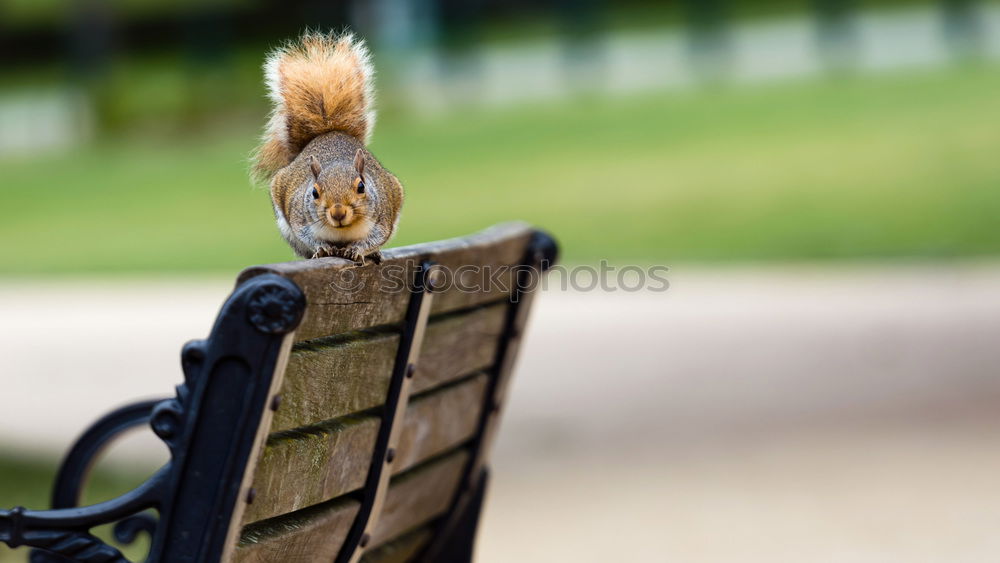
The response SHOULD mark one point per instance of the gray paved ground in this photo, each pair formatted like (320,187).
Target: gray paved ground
(778,414)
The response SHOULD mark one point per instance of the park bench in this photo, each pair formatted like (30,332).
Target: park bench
(335,413)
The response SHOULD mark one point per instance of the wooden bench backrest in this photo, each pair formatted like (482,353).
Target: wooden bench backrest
(309,480)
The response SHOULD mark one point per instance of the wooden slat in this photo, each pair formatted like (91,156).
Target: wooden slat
(316,533)
(303,469)
(333,377)
(379,296)
(401,549)
(310,535)
(419,498)
(488,430)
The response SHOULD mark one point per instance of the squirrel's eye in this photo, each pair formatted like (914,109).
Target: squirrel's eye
(315,193)
(361,186)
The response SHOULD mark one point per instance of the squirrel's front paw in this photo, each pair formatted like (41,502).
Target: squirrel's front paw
(351,254)
(324,251)
(376,257)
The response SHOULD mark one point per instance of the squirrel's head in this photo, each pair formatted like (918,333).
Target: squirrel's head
(341,198)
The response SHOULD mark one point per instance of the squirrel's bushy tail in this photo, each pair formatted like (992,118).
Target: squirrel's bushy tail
(318,84)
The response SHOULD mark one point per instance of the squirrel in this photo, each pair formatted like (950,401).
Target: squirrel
(331,196)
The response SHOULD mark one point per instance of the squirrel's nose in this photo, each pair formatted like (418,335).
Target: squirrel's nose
(339,212)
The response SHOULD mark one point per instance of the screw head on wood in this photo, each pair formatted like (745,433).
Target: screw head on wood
(251,494)
(410,370)
(275,402)
(435,280)
(365,538)
(390,455)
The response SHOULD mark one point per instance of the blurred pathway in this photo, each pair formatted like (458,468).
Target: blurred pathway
(775,415)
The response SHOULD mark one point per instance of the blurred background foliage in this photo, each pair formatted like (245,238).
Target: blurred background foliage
(636,131)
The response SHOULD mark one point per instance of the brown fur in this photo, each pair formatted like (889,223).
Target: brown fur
(319,84)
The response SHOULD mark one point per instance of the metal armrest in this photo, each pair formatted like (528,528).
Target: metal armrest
(76,466)
(64,533)
(80,458)
(211,428)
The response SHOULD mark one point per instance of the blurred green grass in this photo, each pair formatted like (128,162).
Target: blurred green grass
(894,165)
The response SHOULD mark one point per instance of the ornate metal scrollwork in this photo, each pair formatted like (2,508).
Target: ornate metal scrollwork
(275,310)
(166,421)
(62,534)
(73,546)
(127,531)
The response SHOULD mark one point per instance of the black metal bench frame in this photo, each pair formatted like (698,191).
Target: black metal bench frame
(212,437)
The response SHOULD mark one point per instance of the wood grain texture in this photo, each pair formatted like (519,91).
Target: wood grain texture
(490,423)
(323,435)
(303,469)
(308,536)
(332,377)
(417,498)
(317,533)
(343,297)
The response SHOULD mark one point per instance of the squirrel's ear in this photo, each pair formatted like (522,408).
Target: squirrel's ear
(359,161)
(314,165)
